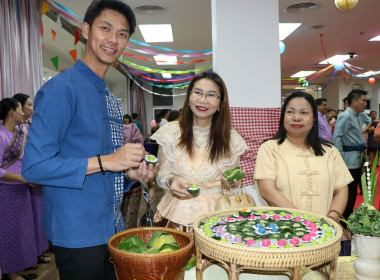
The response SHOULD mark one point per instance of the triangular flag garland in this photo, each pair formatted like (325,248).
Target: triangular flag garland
(54,60)
(53,35)
(76,35)
(73,54)
(45,7)
(58,24)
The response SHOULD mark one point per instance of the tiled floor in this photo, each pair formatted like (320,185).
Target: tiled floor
(45,271)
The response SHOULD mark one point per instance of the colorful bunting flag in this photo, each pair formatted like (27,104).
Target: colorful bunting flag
(76,35)
(53,35)
(58,24)
(54,60)
(73,54)
(45,7)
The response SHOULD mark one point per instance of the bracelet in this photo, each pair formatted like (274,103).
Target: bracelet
(100,165)
(335,211)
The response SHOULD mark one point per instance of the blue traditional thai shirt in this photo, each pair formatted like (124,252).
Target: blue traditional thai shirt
(348,137)
(75,118)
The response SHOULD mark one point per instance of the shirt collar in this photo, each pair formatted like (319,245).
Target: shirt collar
(352,112)
(90,75)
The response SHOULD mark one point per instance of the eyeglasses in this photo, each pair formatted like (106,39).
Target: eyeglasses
(208,95)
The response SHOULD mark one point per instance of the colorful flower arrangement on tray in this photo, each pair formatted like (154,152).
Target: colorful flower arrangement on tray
(268,229)
(365,219)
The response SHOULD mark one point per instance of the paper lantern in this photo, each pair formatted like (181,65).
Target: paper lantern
(338,66)
(282,47)
(346,5)
(372,80)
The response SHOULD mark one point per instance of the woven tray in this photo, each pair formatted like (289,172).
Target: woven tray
(264,257)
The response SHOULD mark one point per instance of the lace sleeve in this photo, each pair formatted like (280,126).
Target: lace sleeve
(164,173)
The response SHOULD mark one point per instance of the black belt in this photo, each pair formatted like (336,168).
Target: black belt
(359,148)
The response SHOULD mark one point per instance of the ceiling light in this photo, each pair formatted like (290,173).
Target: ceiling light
(368,74)
(154,33)
(287,28)
(377,38)
(336,59)
(302,74)
(165,60)
(166,75)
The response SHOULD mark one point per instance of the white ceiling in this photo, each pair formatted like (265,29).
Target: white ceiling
(191,21)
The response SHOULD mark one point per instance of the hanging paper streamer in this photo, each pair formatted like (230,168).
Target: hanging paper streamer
(45,8)
(54,60)
(67,10)
(73,54)
(76,22)
(76,35)
(53,35)
(151,52)
(166,49)
(323,46)
(58,24)
(178,62)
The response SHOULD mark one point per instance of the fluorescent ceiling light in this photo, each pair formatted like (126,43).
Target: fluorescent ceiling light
(368,74)
(287,28)
(336,59)
(377,38)
(166,75)
(166,59)
(154,33)
(302,74)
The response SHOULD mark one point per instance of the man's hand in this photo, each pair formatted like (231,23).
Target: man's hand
(143,173)
(127,156)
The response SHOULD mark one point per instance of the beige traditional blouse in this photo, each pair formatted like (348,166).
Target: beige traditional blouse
(308,181)
(198,170)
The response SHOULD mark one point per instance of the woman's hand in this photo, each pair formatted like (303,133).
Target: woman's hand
(235,184)
(178,187)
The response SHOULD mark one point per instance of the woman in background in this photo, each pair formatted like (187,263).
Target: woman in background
(132,197)
(296,168)
(197,149)
(372,146)
(36,192)
(18,249)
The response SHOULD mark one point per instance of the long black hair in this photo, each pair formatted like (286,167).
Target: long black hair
(312,139)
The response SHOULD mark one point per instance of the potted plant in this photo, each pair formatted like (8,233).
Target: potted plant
(364,223)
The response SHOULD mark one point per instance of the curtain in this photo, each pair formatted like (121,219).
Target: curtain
(20,47)
(138,105)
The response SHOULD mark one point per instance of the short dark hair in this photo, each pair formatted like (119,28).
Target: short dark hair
(173,115)
(97,6)
(312,139)
(135,115)
(372,112)
(126,116)
(7,104)
(163,112)
(355,94)
(319,101)
(21,97)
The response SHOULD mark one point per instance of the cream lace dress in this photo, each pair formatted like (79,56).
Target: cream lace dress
(175,161)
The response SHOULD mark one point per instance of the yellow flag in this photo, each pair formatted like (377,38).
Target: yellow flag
(45,7)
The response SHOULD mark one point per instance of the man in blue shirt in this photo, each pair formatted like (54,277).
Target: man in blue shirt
(348,139)
(75,148)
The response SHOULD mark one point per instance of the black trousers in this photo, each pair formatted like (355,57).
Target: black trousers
(90,263)
(352,192)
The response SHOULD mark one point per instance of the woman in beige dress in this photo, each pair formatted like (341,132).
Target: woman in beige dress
(197,149)
(296,168)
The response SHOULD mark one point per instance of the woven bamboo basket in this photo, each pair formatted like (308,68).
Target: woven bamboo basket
(168,266)
(265,257)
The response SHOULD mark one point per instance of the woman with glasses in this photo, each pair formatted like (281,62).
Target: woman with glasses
(197,149)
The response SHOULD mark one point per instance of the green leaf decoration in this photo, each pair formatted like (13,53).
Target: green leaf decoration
(155,235)
(169,247)
(234,173)
(132,243)
(364,187)
(191,263)
(152,251)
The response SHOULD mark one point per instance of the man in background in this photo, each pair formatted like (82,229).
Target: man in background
(323,126)
(348,139)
